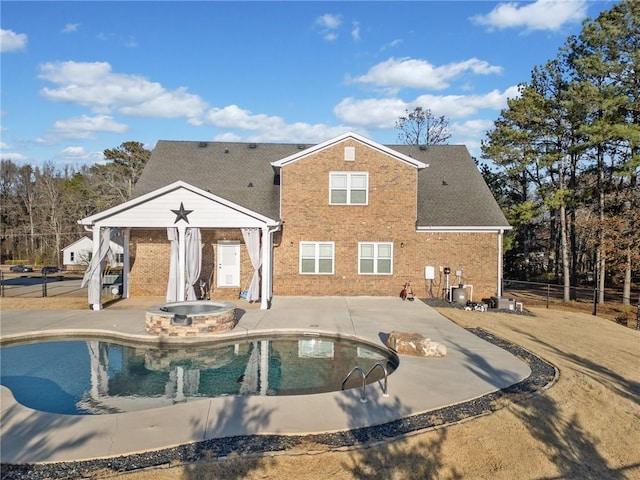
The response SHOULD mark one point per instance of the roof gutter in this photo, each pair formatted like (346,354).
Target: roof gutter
(462,229)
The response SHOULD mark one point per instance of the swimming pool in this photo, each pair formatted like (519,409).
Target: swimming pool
(94,376)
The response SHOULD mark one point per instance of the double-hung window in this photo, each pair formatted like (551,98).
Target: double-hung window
(348,188)
(375,258)
(317,257)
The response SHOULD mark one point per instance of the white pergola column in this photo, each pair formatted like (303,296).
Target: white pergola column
(265,285)
(126,262)
(98,277)
(182,261)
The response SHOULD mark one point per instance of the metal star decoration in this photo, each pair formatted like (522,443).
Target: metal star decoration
(181,214)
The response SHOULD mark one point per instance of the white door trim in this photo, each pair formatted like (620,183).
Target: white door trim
(228,264)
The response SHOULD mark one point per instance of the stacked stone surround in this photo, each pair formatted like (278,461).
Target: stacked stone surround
(159,323)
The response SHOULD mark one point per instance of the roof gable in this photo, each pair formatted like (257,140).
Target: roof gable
(78,242)
(178,202)
(341,138)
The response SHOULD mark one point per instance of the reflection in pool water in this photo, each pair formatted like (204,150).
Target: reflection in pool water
(92,376)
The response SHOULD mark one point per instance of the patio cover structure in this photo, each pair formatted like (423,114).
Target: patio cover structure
(182,209)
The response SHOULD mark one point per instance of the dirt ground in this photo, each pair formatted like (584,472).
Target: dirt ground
(585,426)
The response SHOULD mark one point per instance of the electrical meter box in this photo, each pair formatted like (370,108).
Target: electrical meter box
(429,273)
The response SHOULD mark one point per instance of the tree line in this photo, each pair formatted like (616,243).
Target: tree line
(40,206)
(567,152)
(563,156)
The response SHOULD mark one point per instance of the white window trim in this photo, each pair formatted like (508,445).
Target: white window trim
(349,175)
(375,258)
(317,258)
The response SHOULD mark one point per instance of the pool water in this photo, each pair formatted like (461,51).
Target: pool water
(92,376)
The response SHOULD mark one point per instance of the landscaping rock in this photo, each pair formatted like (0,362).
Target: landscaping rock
(415,345)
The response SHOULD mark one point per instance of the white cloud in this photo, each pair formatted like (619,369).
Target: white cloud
(413,73)
(128,41)
(378,113)
(13,156)
(75,73)
(267,128)
(78,155)
(177,103)
(391,44)
(471,128)
(538,15)
(95,86)
(83,127)
(329,21)
(355,31)
(382,113)
(11,41)
(228,137)
(70,28)
(86,127)
(461,106)
(328,25)
(7,155)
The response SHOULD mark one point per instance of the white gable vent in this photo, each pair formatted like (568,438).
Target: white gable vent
(349,154)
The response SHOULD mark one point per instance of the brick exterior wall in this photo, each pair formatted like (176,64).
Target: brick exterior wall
(149,258)
(389,216)
(150,253)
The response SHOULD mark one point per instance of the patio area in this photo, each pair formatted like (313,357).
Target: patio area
(472,368)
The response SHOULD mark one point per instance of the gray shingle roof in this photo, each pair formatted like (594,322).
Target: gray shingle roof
(238,172)
(451,191)
(242,173)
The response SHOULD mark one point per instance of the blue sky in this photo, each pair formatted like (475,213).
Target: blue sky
(80,77)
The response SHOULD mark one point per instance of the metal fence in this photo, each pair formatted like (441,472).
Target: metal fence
(537,294)
(36,285)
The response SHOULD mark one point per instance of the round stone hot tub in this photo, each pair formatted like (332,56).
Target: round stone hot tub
(191,318)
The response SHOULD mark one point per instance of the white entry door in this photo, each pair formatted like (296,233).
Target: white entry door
(228,264)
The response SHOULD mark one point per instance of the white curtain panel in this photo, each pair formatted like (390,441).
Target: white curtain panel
(194,260)
(92,276)
(252,241)
(173,290)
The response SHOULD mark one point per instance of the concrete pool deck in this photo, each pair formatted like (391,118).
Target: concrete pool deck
(471,368)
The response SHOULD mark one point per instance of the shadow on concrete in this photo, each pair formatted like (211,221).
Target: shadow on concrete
(237,410)
(23,432)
